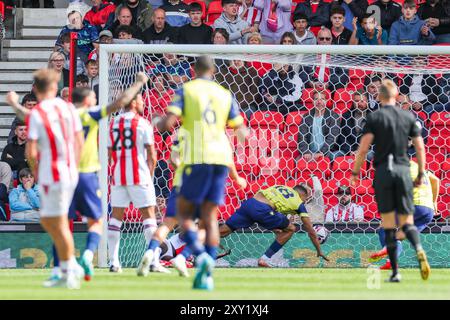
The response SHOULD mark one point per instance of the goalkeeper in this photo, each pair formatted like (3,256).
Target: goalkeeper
(269,208)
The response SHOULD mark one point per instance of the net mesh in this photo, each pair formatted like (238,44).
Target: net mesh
(278,95)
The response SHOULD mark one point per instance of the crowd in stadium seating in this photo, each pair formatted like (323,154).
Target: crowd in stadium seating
(320,110)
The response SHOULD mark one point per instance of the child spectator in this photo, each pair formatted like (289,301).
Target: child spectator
(249,13)
(317,11)
(82,81)
(24,200)
(195,32)
(437,15)
(288,38)
(229,20)
(275,20)
(390,11)
(106,37)
(352,9)
(160,32)
(368,33)
(65,50)
(99,14)
(340,34)
(345,210)
(220,36)
(176,13)
(409,29)
(92,73)
(14,152)
(262,67)
(301,33)
(28,101)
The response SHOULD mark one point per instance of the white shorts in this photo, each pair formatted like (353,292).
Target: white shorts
(55,199)
(141,195)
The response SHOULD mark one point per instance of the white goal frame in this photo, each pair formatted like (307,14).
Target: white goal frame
(106,49)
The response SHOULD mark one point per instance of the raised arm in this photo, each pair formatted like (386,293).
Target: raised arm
(13,100)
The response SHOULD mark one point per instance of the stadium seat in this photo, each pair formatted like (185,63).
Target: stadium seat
(267,119)
(444,199)
(202,3)
(446,169)
(342,100)
(319,167)
(370,206)
(342,167)
(356,79)
(438,146)
(440,124)
(289,139)
(214,11)
(307,98)
(294,117)
(365,187)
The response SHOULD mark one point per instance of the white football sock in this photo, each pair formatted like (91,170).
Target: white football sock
(156,255)
(114,241)
(89,255)
(149,229)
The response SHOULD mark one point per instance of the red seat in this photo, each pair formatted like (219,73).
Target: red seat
(343,166)
(440,124)
(289,139)
(444,199)
(214,11)
(202,4)
(446,169)
(267,119)
(365,187)
(319,167)
(230,206)
(342,100)
(295,117)
(308,95)
(356,79)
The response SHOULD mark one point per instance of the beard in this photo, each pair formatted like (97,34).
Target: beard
(345,202)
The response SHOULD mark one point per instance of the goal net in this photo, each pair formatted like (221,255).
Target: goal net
(306,107)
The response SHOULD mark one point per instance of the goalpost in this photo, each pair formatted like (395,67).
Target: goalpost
(275,87)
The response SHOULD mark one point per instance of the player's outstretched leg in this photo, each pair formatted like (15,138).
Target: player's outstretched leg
(279,242)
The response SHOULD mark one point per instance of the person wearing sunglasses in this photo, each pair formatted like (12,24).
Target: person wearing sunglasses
(345,210)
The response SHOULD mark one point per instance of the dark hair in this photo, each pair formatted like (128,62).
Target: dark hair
(337,10)
(303,187)
(409,4)
(82,78)
(290,35)
(20,123)
(25,172)
(65,37)
(195,6)
(79,94)
(124,28)
(223,32)
(365,16)
(300,16)
(28,97)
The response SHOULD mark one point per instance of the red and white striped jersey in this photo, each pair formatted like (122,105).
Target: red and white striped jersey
(129,134)
(252,15)
(54,124)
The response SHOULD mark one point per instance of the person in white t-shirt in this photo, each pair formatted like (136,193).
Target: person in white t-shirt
(345,210)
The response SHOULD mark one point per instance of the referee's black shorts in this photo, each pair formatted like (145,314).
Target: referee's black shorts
(394,189)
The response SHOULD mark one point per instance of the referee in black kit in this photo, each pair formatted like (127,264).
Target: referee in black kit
(389,129)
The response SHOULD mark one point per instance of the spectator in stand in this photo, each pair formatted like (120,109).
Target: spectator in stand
(302,34)
(352,123)
(352,9)
(340,34)
(14,152)
(409,29)
(160,32)
(243,81)
(288,38)
(87,34)
(317,11)
(141,13)
(99,14)
(372,89)
(437,15)
(158,97)
(175,70)
(125,36)
(318,130)
(255,38)
(262,67)
(64,94)
(56,62)
(368,32)
(28,101)
(65,50)
(124,18)
(195,32)
(390,11)
(221,37)
(176,13)
(106,37)
(275,20)
(345,210)
(24,200)
(2,28)
(249,13)
(92,72)
(82,81)
(229,20)
(281,89)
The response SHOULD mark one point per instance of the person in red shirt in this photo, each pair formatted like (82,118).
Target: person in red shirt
(99,13)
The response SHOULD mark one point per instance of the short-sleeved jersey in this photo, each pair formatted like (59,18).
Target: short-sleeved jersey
(391,127)
(423,194)
(89,161)
(286,200)
(128,137)
(205,108)
(54,124)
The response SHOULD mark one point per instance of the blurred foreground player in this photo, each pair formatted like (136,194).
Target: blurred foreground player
(389,129)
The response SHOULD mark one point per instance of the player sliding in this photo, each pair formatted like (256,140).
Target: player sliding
(269,208)
(389,129)
(425,204)
(205,108)
(55,139)
(133,158)
(177,157)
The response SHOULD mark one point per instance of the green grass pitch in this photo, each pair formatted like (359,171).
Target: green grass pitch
(232,284)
